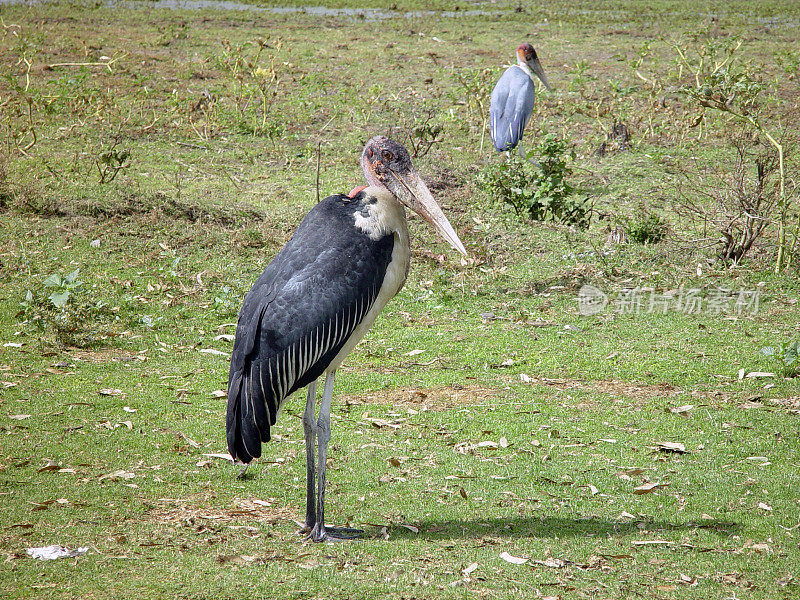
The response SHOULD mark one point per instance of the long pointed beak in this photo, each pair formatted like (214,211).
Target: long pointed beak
(536,67)
(412,191)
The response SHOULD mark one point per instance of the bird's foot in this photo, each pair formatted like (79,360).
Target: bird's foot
(321,533)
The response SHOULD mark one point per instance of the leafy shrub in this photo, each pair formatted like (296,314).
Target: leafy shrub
(540,191)
(788,354)
(63,311)
(649,229)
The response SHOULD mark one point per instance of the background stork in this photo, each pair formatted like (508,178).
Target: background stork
(512,100)
(316,300)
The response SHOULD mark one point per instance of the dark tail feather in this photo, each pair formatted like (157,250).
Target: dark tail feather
(250,413)
(234,422)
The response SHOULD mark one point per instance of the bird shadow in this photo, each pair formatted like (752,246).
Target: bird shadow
(549,527)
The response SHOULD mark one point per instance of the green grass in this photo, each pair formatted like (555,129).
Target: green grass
(576,407)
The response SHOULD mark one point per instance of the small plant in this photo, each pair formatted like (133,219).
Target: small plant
(742,204)
(112,161)
(257,84)
(64,315)
(723,84)
(649,229)
(473,87)
(787,353)
(424,135)
(62,287)
(540,191)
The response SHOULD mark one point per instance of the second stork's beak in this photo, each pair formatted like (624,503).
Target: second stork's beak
(409,189)
(536,67)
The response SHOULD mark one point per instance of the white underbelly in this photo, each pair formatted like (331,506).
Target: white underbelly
(393,281)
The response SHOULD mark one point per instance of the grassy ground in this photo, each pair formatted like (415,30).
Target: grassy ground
(162,156)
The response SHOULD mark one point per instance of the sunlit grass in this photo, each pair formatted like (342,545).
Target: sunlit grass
(482,414)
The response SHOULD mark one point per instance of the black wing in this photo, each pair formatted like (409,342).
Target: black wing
(298,316)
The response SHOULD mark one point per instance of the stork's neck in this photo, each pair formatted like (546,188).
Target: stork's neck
(525,69)
(380,214)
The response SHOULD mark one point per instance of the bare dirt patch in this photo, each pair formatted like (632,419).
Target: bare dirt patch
(442,398)
(103,355)
(193,512)
(611,387)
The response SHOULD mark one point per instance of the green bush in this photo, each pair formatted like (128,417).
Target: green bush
(650,229)
(541,191)
(788,354)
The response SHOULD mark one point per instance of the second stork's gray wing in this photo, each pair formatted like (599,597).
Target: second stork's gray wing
(511,108)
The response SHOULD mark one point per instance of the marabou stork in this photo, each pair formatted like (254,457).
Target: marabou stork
(512,100)
(315,301)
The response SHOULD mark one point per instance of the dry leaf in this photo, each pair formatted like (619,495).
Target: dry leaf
(219,394)
(55,551)
(764,506)
(377,422)
(469,569)
(190,441)
(514,560)
(525,378)
(128,409)
(50,466)
(672,447)
(118,474)
(225,456)
(214,351)
(236,559)
(553,563)
(681,410)
(110,392)
(648,487)
(651,543)
(414,352)
(411,528)
(19,417)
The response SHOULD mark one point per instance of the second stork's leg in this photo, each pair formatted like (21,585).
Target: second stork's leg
(320,533)
(309,427)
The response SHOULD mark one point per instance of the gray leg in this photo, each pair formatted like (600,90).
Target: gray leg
(521,151)
(320,533)
(308,427)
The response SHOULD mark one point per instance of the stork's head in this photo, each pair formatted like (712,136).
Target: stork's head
(526,55)
(387,163)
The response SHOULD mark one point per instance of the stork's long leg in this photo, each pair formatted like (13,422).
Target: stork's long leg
(320,533)
(309,426)
(521,151)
